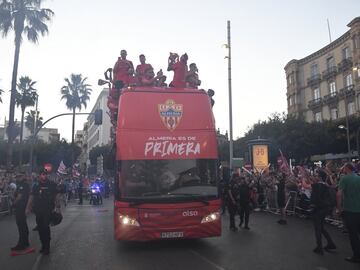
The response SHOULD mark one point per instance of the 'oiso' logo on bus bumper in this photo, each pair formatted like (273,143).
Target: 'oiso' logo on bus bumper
(170,114)
(190,213)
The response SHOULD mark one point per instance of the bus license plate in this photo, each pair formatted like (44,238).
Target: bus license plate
(172,234)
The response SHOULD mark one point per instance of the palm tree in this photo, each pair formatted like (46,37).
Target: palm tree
(32,126)
(26,97)
(30,121)
(76,93)
(24,17)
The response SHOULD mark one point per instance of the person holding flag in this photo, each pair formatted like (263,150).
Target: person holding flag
(281,197)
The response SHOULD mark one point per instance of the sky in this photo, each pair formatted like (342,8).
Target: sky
(85,37)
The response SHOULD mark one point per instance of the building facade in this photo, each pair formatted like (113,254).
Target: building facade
(47,135)
(79,137)
(97,135)
(222,138)
(326,84)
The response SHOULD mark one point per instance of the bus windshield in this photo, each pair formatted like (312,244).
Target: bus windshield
(162,179)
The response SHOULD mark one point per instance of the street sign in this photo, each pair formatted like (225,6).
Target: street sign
(238,162)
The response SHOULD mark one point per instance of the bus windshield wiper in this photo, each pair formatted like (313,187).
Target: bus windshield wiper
(149,194)
(193,196)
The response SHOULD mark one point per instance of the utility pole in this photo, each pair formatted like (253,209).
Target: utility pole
(230,95)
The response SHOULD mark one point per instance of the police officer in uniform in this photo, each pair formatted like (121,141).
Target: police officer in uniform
(244,194)
(233,199)
(43,199)
(21,197)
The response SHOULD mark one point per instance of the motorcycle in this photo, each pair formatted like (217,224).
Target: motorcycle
(95,195)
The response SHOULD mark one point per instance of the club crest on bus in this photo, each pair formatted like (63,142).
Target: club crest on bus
(170,114)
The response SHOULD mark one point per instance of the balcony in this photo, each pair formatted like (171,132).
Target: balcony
(314,80)
(331,98)
(315,103)
(329,73)
(347,91)
(345,64)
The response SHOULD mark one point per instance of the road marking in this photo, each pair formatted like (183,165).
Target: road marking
(206,260)
(37,263)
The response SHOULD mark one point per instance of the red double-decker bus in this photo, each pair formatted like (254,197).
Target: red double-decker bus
(166,175)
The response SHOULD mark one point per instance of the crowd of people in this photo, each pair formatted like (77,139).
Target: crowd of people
(43,194)
(319,192)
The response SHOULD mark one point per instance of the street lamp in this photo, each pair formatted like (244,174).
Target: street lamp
(228,46)
(102,82)
(347,137)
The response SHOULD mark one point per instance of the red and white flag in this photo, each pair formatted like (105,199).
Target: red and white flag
(62,168)
(75,171)
(283,164)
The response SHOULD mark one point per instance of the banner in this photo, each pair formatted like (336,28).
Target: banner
(76,171)
(283,164)
(260,157)
(62,168)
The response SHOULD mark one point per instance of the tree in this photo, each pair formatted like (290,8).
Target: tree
(299,139)
(25,97)
(55,152)
(97,151)
(23,17)
(30,120)
(76,93)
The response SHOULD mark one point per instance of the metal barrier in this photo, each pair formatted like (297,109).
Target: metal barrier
(4,204)
(291,203)
(271,200)
(296,204)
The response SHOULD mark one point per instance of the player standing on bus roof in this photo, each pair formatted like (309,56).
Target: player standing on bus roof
(140,69)
(123,69)
(180,69)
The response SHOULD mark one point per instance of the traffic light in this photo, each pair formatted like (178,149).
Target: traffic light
(98,116)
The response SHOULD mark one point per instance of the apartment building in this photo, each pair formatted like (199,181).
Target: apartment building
(326,84)
(97,135)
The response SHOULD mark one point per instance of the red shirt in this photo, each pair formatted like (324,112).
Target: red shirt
(140,69)
(121,70)
(180,70)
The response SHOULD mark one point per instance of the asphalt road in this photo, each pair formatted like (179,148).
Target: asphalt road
(84,241)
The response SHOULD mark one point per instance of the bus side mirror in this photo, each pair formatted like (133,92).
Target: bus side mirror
(98,117)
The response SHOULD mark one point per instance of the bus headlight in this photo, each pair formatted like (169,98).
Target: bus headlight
(128,221)
(210,218)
